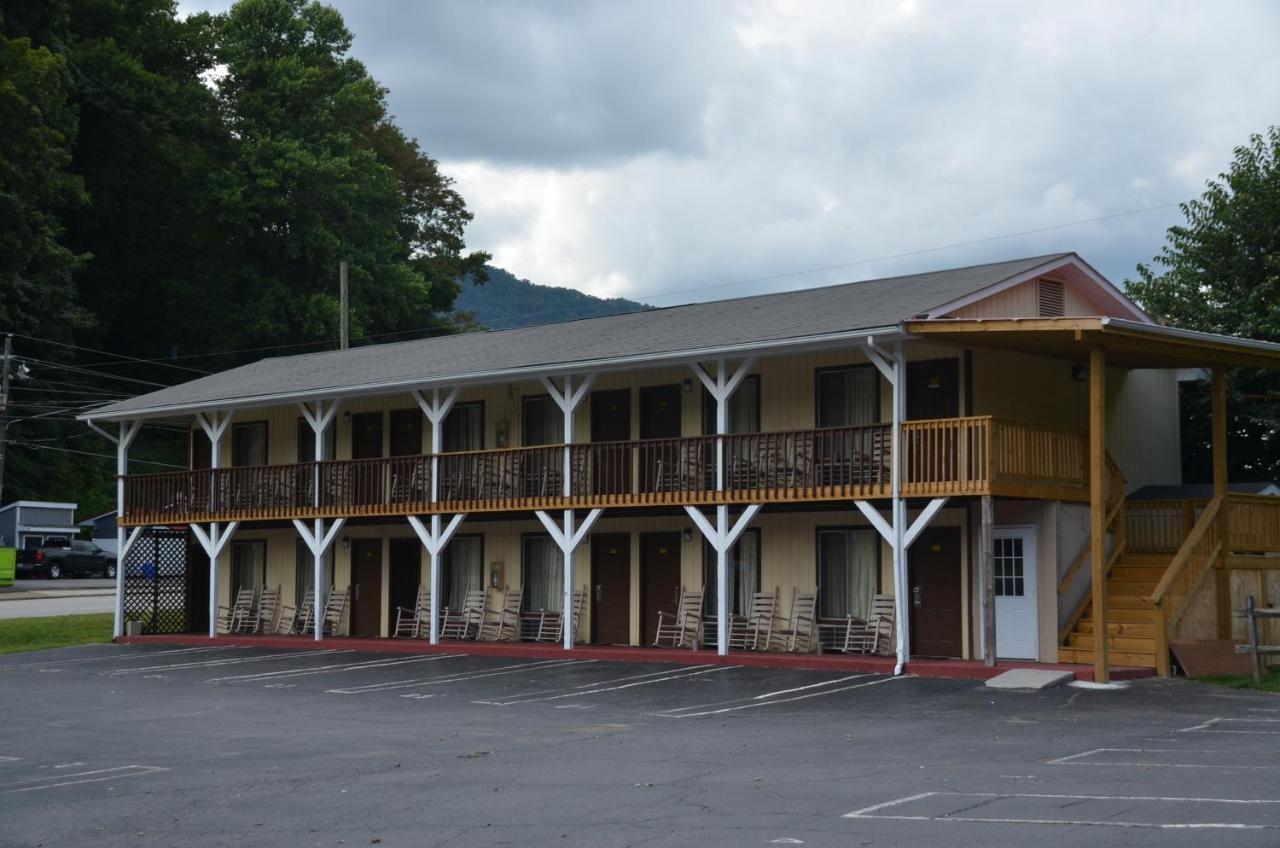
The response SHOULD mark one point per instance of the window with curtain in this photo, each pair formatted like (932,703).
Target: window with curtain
(542,570)
(848,571)
(307,441)
(304,570)
(248,565)
(463,428)
(249,444)
(542,422)
(848,397)
(744,408)
(462,570)
(744,574)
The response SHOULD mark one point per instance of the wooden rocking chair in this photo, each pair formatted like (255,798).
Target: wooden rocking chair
(298,619)
(502,625)
(550,623)
(414,623)
(875,635)
(796,633)
(465,623)
(753,631)
(231,619)
(334,609)
(263,618)
(683,628)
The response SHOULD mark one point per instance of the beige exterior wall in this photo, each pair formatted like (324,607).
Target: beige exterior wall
(788,557)
(1023,301)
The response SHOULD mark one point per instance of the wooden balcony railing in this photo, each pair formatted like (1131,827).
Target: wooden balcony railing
(941,457)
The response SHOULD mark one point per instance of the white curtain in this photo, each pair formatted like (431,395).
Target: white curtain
(848,397)
(848,561)
(543,574)
(744,574)
(305,571)
(463,569)
(248,565)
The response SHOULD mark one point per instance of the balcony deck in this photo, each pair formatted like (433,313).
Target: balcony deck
(941,458)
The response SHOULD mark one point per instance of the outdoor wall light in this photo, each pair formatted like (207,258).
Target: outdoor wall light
(346,542)
(1080,373)
(687,385)
(688,534)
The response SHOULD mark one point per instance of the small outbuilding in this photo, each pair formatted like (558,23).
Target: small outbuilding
(33,524)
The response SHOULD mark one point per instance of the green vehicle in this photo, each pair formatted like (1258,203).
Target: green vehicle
(8,562)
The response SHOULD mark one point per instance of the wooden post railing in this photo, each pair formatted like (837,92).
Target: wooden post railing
(1186,573)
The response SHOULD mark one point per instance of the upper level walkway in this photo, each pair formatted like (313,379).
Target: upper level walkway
(941,458)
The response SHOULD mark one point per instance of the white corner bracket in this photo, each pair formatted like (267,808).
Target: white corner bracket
(568,539)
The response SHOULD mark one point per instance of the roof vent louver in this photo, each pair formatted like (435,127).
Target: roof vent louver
(1051,300)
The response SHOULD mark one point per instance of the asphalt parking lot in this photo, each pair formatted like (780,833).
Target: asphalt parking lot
(114,746)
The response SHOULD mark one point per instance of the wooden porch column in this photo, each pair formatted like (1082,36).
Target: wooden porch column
(987,566)
(1098,509)
(1222,577)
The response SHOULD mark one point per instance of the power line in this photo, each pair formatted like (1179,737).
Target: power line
(109,376)
(93,453)
(109,353)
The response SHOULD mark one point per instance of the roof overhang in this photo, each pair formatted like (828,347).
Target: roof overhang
(663,359)
(1127,344)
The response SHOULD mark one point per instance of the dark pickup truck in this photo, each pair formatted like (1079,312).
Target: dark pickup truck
(82,559)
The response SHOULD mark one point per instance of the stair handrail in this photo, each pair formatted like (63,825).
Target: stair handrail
(1115,518)
(1167,618)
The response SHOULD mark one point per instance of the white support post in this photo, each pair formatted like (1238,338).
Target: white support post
(568,539)
(319,417)
(214,425)
(435,541)
(721,389)
(436,410)
(128,431)
(568,398)
(722,537)
(213,543)
(318,541)
(900,509)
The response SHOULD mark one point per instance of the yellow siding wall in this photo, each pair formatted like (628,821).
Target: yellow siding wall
(1022,301)
(788,556)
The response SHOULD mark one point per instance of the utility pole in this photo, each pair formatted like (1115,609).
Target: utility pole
(343,337)
(4,405)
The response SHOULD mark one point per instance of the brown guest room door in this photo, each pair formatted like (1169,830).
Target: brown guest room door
(611,588)
(934,583)
(659,419)
(366,587)
(659,579)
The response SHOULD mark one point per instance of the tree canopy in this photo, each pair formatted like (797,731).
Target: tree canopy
(173,188)
(1220,272)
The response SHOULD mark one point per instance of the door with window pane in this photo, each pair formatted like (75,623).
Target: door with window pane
(1017,622)
(848,572)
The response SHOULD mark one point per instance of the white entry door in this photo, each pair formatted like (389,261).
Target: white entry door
(1015,578)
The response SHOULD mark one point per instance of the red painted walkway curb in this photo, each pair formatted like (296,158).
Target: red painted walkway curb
(954,669)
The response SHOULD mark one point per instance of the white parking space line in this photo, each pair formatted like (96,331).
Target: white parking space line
(228,661)
(1171,758)
(9,759)
(592,684)
(764,696)
(1047,809)
(120,657)
(54,781)
(755,704)
(456,677)
(1267,726)
(582,693)
(338,667)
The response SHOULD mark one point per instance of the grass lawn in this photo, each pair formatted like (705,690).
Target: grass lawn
(55,631)
(1270,681)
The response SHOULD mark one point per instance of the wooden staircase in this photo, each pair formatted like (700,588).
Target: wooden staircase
(1131,634)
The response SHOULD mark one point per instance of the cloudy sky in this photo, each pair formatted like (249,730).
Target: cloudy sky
(676,151)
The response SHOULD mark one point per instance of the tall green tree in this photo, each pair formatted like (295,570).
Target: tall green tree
(37,292)
(323,175)
(1220,272)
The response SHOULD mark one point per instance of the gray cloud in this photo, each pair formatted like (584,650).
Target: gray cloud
(638,148)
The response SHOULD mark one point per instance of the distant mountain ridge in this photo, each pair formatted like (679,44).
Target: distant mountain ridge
(506,301)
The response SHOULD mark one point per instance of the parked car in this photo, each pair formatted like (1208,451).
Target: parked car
(80,559)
